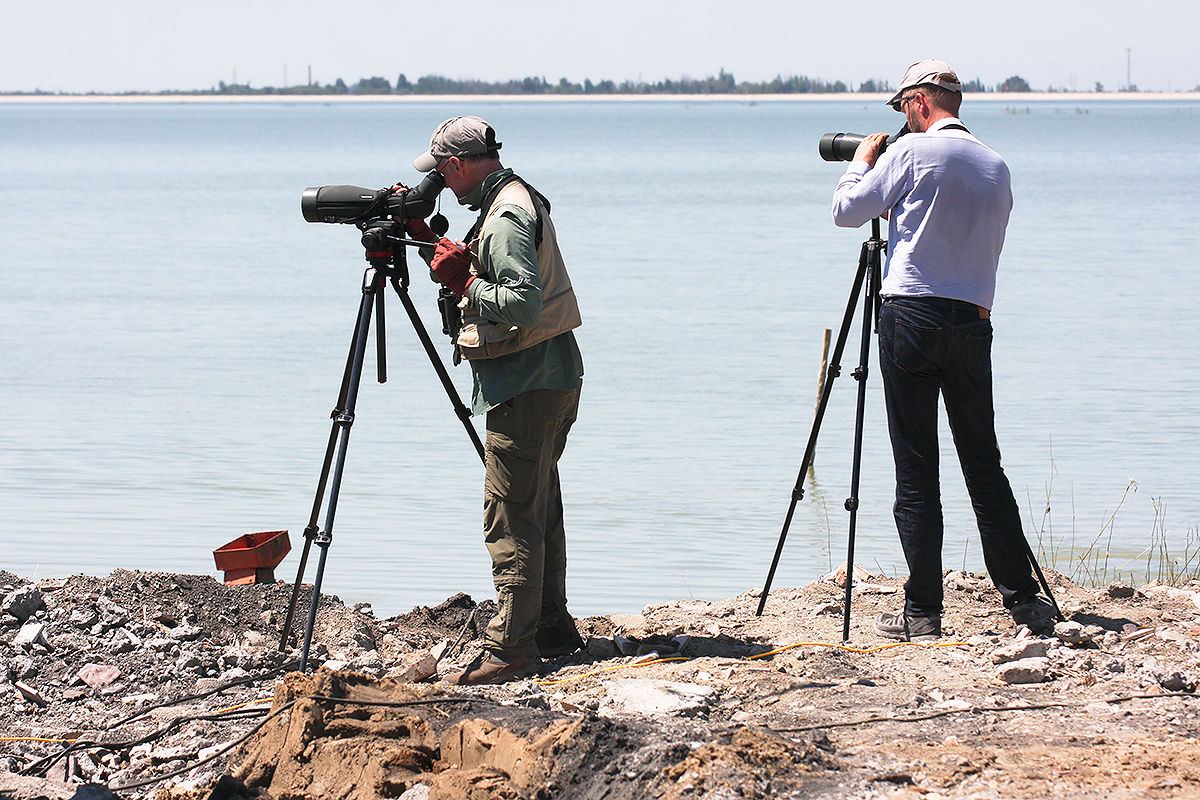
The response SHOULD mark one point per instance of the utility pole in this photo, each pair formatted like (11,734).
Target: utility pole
(1128,69)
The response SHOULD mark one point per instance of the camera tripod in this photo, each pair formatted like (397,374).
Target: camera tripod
(386,256)
(866,280)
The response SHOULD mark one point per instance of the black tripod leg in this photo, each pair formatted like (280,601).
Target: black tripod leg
(834,369)
(460,410)
(380,338)
(285,634)
(334,464)
(872,250)
(1042,580)
(310,532)
(371,286)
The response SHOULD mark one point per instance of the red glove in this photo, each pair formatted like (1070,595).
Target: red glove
(451,265)
(419,230)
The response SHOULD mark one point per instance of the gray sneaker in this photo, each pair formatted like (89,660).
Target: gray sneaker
(1037,613)
(908,628)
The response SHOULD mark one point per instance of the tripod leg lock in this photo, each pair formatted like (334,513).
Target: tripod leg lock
(851,504)
(860,373)
(342,417)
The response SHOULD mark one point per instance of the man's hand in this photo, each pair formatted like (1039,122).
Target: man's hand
(451,264)
(868,149)
(419,230)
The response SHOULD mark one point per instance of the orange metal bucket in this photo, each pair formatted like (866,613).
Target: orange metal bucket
(252,558)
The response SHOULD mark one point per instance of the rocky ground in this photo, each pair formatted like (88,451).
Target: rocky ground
(172,686)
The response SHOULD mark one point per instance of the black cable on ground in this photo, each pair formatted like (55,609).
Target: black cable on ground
(461,634)
(250,679)
(213,757)
(980,709)
(41,766)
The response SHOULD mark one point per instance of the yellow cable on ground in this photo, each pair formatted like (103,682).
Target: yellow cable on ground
(857,649)
(247,703)
(34,739)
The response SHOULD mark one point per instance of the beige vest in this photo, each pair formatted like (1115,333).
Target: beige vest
(480,338)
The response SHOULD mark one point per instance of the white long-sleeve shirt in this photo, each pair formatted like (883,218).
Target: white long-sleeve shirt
(948,196)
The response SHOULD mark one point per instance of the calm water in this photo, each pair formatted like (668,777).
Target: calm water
(173,337)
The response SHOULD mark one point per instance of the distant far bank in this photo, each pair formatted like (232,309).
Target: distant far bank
(880,97)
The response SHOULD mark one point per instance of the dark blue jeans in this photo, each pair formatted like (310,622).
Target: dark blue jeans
(927,346)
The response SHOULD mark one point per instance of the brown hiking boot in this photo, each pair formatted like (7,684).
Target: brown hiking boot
(491,668)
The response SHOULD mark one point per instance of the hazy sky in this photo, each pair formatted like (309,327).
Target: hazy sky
(138,45)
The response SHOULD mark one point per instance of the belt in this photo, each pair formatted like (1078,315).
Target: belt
(983,312)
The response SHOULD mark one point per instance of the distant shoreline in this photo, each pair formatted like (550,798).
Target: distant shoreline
(326,99)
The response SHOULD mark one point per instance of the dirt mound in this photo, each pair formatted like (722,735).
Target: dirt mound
(342,736)
(747,762)
(459,616)
(359,743)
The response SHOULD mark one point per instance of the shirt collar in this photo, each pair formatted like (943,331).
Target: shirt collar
(941,123)
(474,198)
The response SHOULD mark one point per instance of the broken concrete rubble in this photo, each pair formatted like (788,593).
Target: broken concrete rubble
(1025,670)
(31,633)
(652,697)
(709,724)
(22,602)
(1021,649)
(98,675)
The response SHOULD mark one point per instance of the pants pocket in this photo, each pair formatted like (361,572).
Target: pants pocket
(511,473)
(910,346)
(977,344)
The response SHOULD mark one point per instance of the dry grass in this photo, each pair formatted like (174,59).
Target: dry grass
(1166,558)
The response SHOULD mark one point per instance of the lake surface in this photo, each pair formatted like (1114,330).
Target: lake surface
(174,333)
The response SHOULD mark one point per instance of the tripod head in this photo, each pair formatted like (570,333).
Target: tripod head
(385,242)
(378,234)
(381,215)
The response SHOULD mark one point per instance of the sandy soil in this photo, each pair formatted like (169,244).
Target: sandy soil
(172,686)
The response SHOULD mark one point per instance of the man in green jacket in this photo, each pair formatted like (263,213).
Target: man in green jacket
(518,311)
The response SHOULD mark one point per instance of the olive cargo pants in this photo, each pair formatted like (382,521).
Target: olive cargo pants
(523,515)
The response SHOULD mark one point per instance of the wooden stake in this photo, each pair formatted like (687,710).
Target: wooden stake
(822,374)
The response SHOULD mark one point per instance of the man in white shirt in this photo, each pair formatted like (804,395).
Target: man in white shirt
(947,198)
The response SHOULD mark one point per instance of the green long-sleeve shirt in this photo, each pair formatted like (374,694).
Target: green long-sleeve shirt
(510,293)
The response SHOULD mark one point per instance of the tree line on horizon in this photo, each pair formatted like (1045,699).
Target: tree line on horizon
(723,83)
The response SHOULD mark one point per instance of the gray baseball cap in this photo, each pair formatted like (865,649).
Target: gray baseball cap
(928,72)
(457,136)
